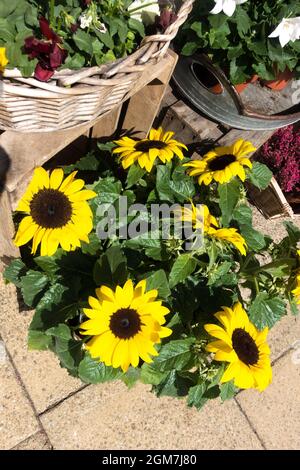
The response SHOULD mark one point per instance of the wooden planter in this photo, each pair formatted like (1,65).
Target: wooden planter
(72,98)
(271,202)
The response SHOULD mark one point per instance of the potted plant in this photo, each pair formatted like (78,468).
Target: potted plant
(281,154)
(120,293)
(51,48)
(246,39)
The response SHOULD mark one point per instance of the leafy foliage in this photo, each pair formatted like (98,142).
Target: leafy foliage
(239,44)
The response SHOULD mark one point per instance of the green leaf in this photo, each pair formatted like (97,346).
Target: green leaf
(150,375)
(137,26)
(49,264)
(111,267)
(13,272)
(60,331)
(87,163)
(93,246)
(108,190)
(32,285)
(181,269)
(229,195)
(38,340)
(69,353)
(83,41)
(254,239)
(163,178)
(189,48)
(131,376)
(228,390)
(218,272)
(266,310)
(260,175)
(243,215)
(173,385)
(243,21)
(135,173)
(106,39)
(293,232)
(53,308)
(94,372)
(196,395)
(158,280)
(175,355)
(7,7)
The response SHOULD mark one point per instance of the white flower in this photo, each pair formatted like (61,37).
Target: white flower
(101,27)
(146,11)
(85,21)
(228,6)
(288,30)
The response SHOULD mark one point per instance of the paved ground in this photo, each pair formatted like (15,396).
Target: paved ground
(41,407)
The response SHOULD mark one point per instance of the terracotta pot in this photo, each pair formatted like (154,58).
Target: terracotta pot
(217,89)
(281,81)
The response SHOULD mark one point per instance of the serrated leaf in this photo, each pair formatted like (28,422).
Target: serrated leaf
(159,281)
(69,353)
(111,267)
(38,340)
(87,163)
(60,331)
(254,239)
(94,372)
(83,41)
(218,272)
(266,311)
(135,173)
(293,232)
(150,375)
(137,26)
(260,175)
(173,385)
(131,376)
(12,273)
(181,269)
(228,390)
(174,355)
(196,395)
(243,215)
(229,195)
(32,285)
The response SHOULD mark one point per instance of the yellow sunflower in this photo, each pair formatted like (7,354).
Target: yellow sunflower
(243,346)
(57,212)
(3,59)
(145,152)
(125,324)
(296,291)
(202,218)
(222,163)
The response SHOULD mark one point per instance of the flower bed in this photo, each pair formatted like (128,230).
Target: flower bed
(138,271)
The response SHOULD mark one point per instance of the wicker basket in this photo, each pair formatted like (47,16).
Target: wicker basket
(73,97)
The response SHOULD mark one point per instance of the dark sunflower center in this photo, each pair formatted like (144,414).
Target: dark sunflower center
(245,347)
(220,163)
(50,208)
(150,144)
(125,323)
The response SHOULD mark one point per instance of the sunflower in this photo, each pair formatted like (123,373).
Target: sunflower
(202,218)
(57,212)
(243,346)
(222,163)
(296,291)
(125,324)
(3,59)
(145,152)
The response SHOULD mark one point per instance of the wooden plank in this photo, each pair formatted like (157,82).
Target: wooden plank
(271,202)
(145,104)
(257,138)
(107,126)
(26,151)
(7,230)
(198,124)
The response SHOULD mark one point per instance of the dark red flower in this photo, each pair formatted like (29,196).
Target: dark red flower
(48,51)
(166,18)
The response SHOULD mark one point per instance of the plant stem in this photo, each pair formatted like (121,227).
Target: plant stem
(256,285)
(51,12)
(141,7)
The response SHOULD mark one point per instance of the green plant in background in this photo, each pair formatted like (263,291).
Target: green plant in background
(42,36)
(250,41)
(142,307)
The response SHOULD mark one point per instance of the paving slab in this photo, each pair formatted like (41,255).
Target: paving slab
(38,441)
(284,335)
(109,416)
(17,418)
(44,379)
(275,413)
